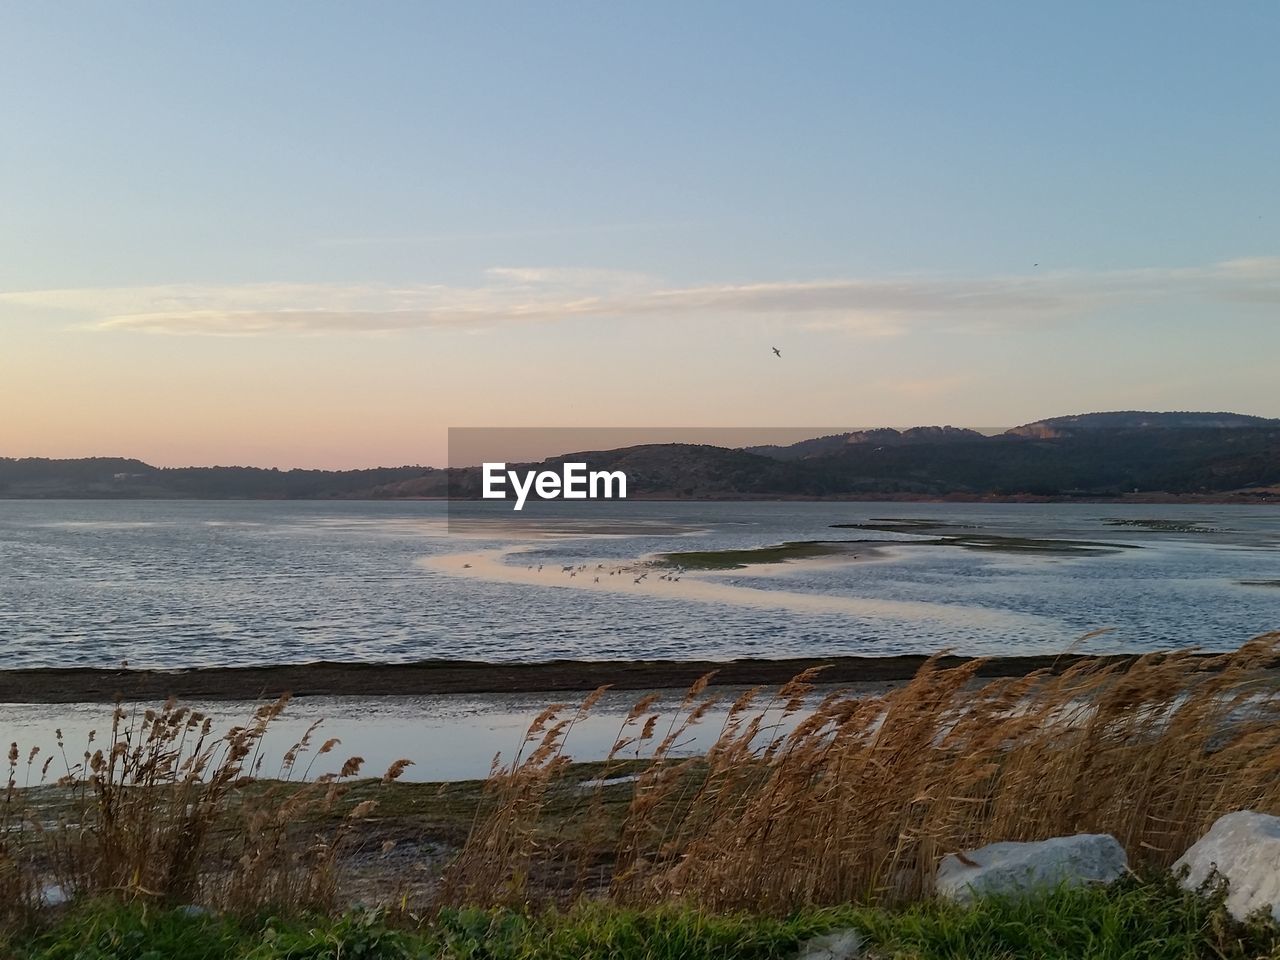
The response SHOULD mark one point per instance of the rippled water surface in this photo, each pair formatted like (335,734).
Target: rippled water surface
(185,583)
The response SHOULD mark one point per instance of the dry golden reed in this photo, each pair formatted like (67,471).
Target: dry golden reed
(857,798)
(166,809)
(802,797)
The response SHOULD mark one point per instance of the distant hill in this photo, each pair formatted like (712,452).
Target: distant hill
(1089,463)
(85,477)
(667,470)
(1140,420)
(119,478)
(1089,455)
(1085,455)
(835,443)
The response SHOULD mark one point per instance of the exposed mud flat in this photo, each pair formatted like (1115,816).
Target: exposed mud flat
(432,677)
(640,579)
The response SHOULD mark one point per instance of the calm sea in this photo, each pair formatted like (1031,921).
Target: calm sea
(172,584)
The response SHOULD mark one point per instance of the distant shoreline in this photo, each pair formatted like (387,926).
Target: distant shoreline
(437,677)
(1265,498)
(1129,456)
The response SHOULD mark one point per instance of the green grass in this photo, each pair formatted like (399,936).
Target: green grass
(807,549)
(1150,920)
(112,932)
(1162,525)
(1091,548)
(737,559)
(944,537)
(1133,920)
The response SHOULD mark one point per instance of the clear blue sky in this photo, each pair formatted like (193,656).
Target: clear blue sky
(323,232)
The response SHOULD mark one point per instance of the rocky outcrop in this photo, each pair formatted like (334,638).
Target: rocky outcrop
(936,434)
(1020,869)
(1241,850)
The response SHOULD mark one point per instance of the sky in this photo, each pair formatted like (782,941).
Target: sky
(320,234)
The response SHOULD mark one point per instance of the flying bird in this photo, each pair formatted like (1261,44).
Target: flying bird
(777,352)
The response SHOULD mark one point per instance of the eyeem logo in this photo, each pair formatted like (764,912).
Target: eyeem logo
(575,482)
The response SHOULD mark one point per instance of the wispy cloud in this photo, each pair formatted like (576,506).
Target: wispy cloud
(528,295)
(538,233)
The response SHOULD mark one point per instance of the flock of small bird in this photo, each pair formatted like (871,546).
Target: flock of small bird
(572,570)
(672,575)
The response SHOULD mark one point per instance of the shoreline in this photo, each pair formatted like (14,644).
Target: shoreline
(1264,497)
(435,677)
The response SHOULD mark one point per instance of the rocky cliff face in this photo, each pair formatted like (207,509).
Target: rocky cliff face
(1036,431)
(935,434)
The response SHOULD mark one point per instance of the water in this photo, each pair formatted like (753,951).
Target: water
(450,737)
(176,584)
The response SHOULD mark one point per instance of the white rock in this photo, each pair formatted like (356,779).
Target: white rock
(53,895)
(1013,869)
(1244,848)
(839,945)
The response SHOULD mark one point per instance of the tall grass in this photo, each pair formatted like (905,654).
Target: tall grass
(857,799)
(805,797)
(167,809)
